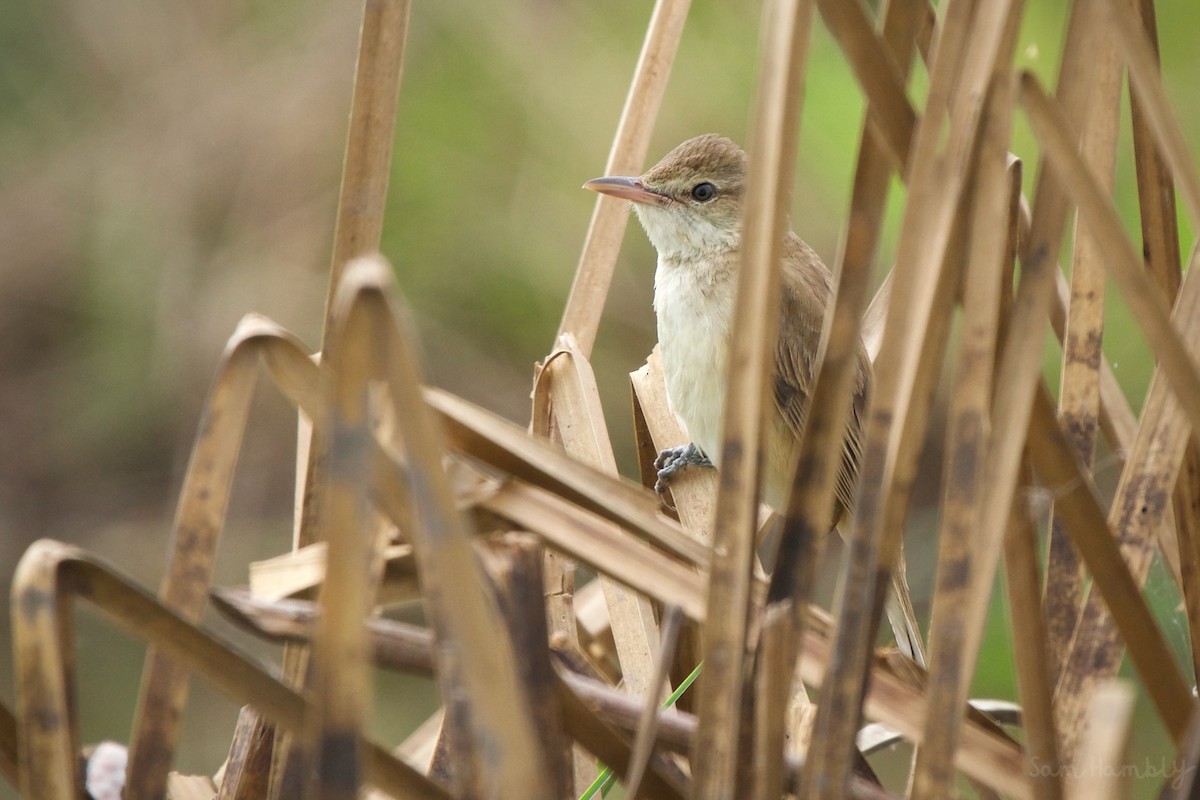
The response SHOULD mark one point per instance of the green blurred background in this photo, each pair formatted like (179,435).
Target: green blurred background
(166,167)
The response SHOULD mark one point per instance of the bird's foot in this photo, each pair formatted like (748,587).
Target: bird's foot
(674,459)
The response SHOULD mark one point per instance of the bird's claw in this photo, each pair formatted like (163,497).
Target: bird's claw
(674,459)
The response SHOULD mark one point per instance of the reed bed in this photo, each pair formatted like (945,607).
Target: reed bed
(410,494)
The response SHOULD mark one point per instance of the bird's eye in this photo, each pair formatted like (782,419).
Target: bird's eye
(704,192)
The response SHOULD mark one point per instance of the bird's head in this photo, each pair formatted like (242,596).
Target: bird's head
(691,201)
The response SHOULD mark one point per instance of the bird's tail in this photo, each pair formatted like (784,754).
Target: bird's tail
(902,616)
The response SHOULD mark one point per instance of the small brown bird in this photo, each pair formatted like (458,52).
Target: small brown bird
(690,204)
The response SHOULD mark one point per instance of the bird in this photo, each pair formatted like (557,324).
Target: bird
(690,206)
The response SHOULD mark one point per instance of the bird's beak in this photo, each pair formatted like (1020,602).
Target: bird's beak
(628,189)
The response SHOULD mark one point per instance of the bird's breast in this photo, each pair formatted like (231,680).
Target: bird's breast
(694,310)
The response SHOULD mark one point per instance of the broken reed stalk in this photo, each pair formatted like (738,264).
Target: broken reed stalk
(248,765)
(692,492)
(573,397)
(504,720)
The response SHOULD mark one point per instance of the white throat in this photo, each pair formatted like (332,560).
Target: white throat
(674,230)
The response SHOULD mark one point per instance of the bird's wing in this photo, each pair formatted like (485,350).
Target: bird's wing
(804,298)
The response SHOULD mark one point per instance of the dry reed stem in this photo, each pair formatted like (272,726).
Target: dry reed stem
(1117,421)
(1156,185)
(1116,417)
(1079,388)
(9,745)
(558,572)
(339,682)
(910,356)
(199,518)
(610,745)
(693,491)
(409,648)
(992,208)
(497,442)
(49,576)
(514,561)
(776,695)
(1137,511)
(395,645)
(598,544)
(1144,77)
(985,753)
(299,571)
(808,516)
(1186,778)
(1175,362)
(1099,772)
(720,747)
(905,25)
(901,21)
(882,71)
(1030,651)
(643,440)
(247,770)
(358,229)
(585,303)
(1160,244)
(1083,515)
(367,164)
(47,711)
(1145,301)
(482,689)
(1186,505)
(1020,358)
(574,400)
(643,742)
(190,787)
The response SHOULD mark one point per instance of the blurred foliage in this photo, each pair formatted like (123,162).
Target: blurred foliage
(166,167)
